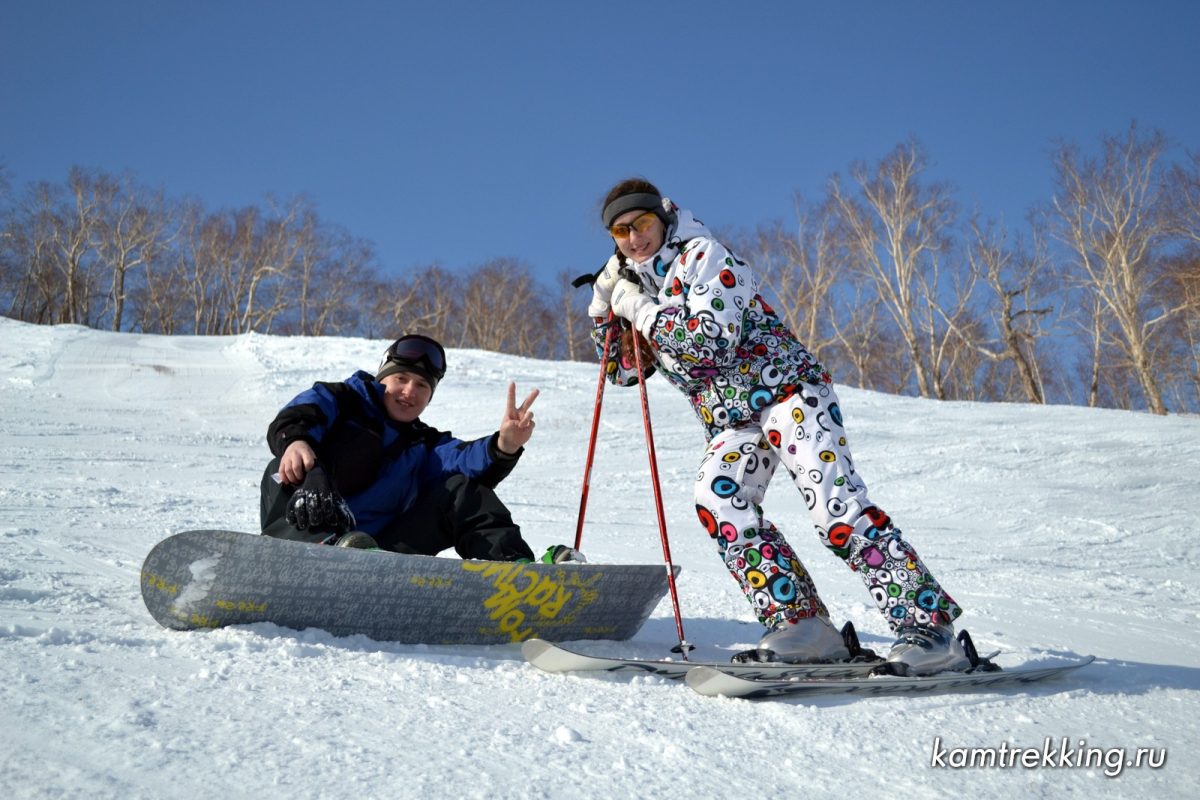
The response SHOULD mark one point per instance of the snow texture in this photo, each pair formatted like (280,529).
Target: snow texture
(1061,530)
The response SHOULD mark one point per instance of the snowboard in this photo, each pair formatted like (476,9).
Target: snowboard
(213,578)
(714,682)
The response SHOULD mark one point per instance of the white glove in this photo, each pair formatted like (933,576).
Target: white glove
(602,289)
(629,303)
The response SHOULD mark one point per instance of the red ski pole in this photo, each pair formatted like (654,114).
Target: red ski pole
(587,470)
(683,647)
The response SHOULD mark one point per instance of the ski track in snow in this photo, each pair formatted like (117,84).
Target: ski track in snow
(1062,531)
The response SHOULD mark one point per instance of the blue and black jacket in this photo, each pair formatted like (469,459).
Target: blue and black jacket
(378,465)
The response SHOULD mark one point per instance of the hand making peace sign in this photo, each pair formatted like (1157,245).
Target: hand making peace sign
(517,425)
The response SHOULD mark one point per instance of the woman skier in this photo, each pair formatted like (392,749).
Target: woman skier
(764,402)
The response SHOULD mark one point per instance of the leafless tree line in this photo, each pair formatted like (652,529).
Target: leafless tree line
(102,251)
(497,306)
(1095,300)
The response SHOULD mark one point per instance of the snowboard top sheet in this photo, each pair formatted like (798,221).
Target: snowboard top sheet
(213,578)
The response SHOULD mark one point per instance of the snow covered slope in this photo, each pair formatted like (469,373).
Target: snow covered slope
(1061,530)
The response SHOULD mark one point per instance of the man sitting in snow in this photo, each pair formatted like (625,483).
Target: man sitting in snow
(355,466)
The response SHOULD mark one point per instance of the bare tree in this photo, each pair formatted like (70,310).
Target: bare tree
(502,309)
(1111,217)
(238,264)
(51,259)
(203,240)
(319,274)
(430,302)
(575,342)
(799,268)
(349,265)
(894,235)
(1184,200)
(30,280)
(8,251)
(265,252)
(960,369)
(951,329)
(1185,275)
(131,231)
(863,339)
(161,299)
(74,225)
(1183,272)
(367,296)
(1015,279)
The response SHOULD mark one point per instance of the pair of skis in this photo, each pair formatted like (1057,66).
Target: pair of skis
(761,680)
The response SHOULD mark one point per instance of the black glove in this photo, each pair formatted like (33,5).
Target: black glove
(316,507)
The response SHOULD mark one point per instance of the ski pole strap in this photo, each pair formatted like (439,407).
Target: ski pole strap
(588,278)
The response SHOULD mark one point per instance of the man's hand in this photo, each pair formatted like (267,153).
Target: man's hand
(516,427)
(295,462)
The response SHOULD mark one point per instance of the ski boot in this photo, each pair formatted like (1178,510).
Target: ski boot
(811,640)
(928,649)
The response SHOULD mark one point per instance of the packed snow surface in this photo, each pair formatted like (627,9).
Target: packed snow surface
(1063,531)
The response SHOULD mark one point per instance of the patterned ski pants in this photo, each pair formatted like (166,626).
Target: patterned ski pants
(805,434)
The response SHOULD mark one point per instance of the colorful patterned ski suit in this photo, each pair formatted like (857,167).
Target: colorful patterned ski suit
(765,401)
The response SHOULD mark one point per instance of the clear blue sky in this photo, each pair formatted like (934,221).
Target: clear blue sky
(461,131)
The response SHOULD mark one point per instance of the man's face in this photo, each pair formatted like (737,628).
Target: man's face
(406,394)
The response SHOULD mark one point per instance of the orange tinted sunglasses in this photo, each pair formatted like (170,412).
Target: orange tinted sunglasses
(642,224)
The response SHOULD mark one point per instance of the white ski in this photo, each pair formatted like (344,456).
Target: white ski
(718,682)
(555,658)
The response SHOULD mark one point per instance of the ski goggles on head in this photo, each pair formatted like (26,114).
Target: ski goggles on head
(642,224)
(419,351)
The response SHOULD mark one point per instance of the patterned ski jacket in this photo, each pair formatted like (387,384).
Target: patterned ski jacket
(715,338)
(378,465)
